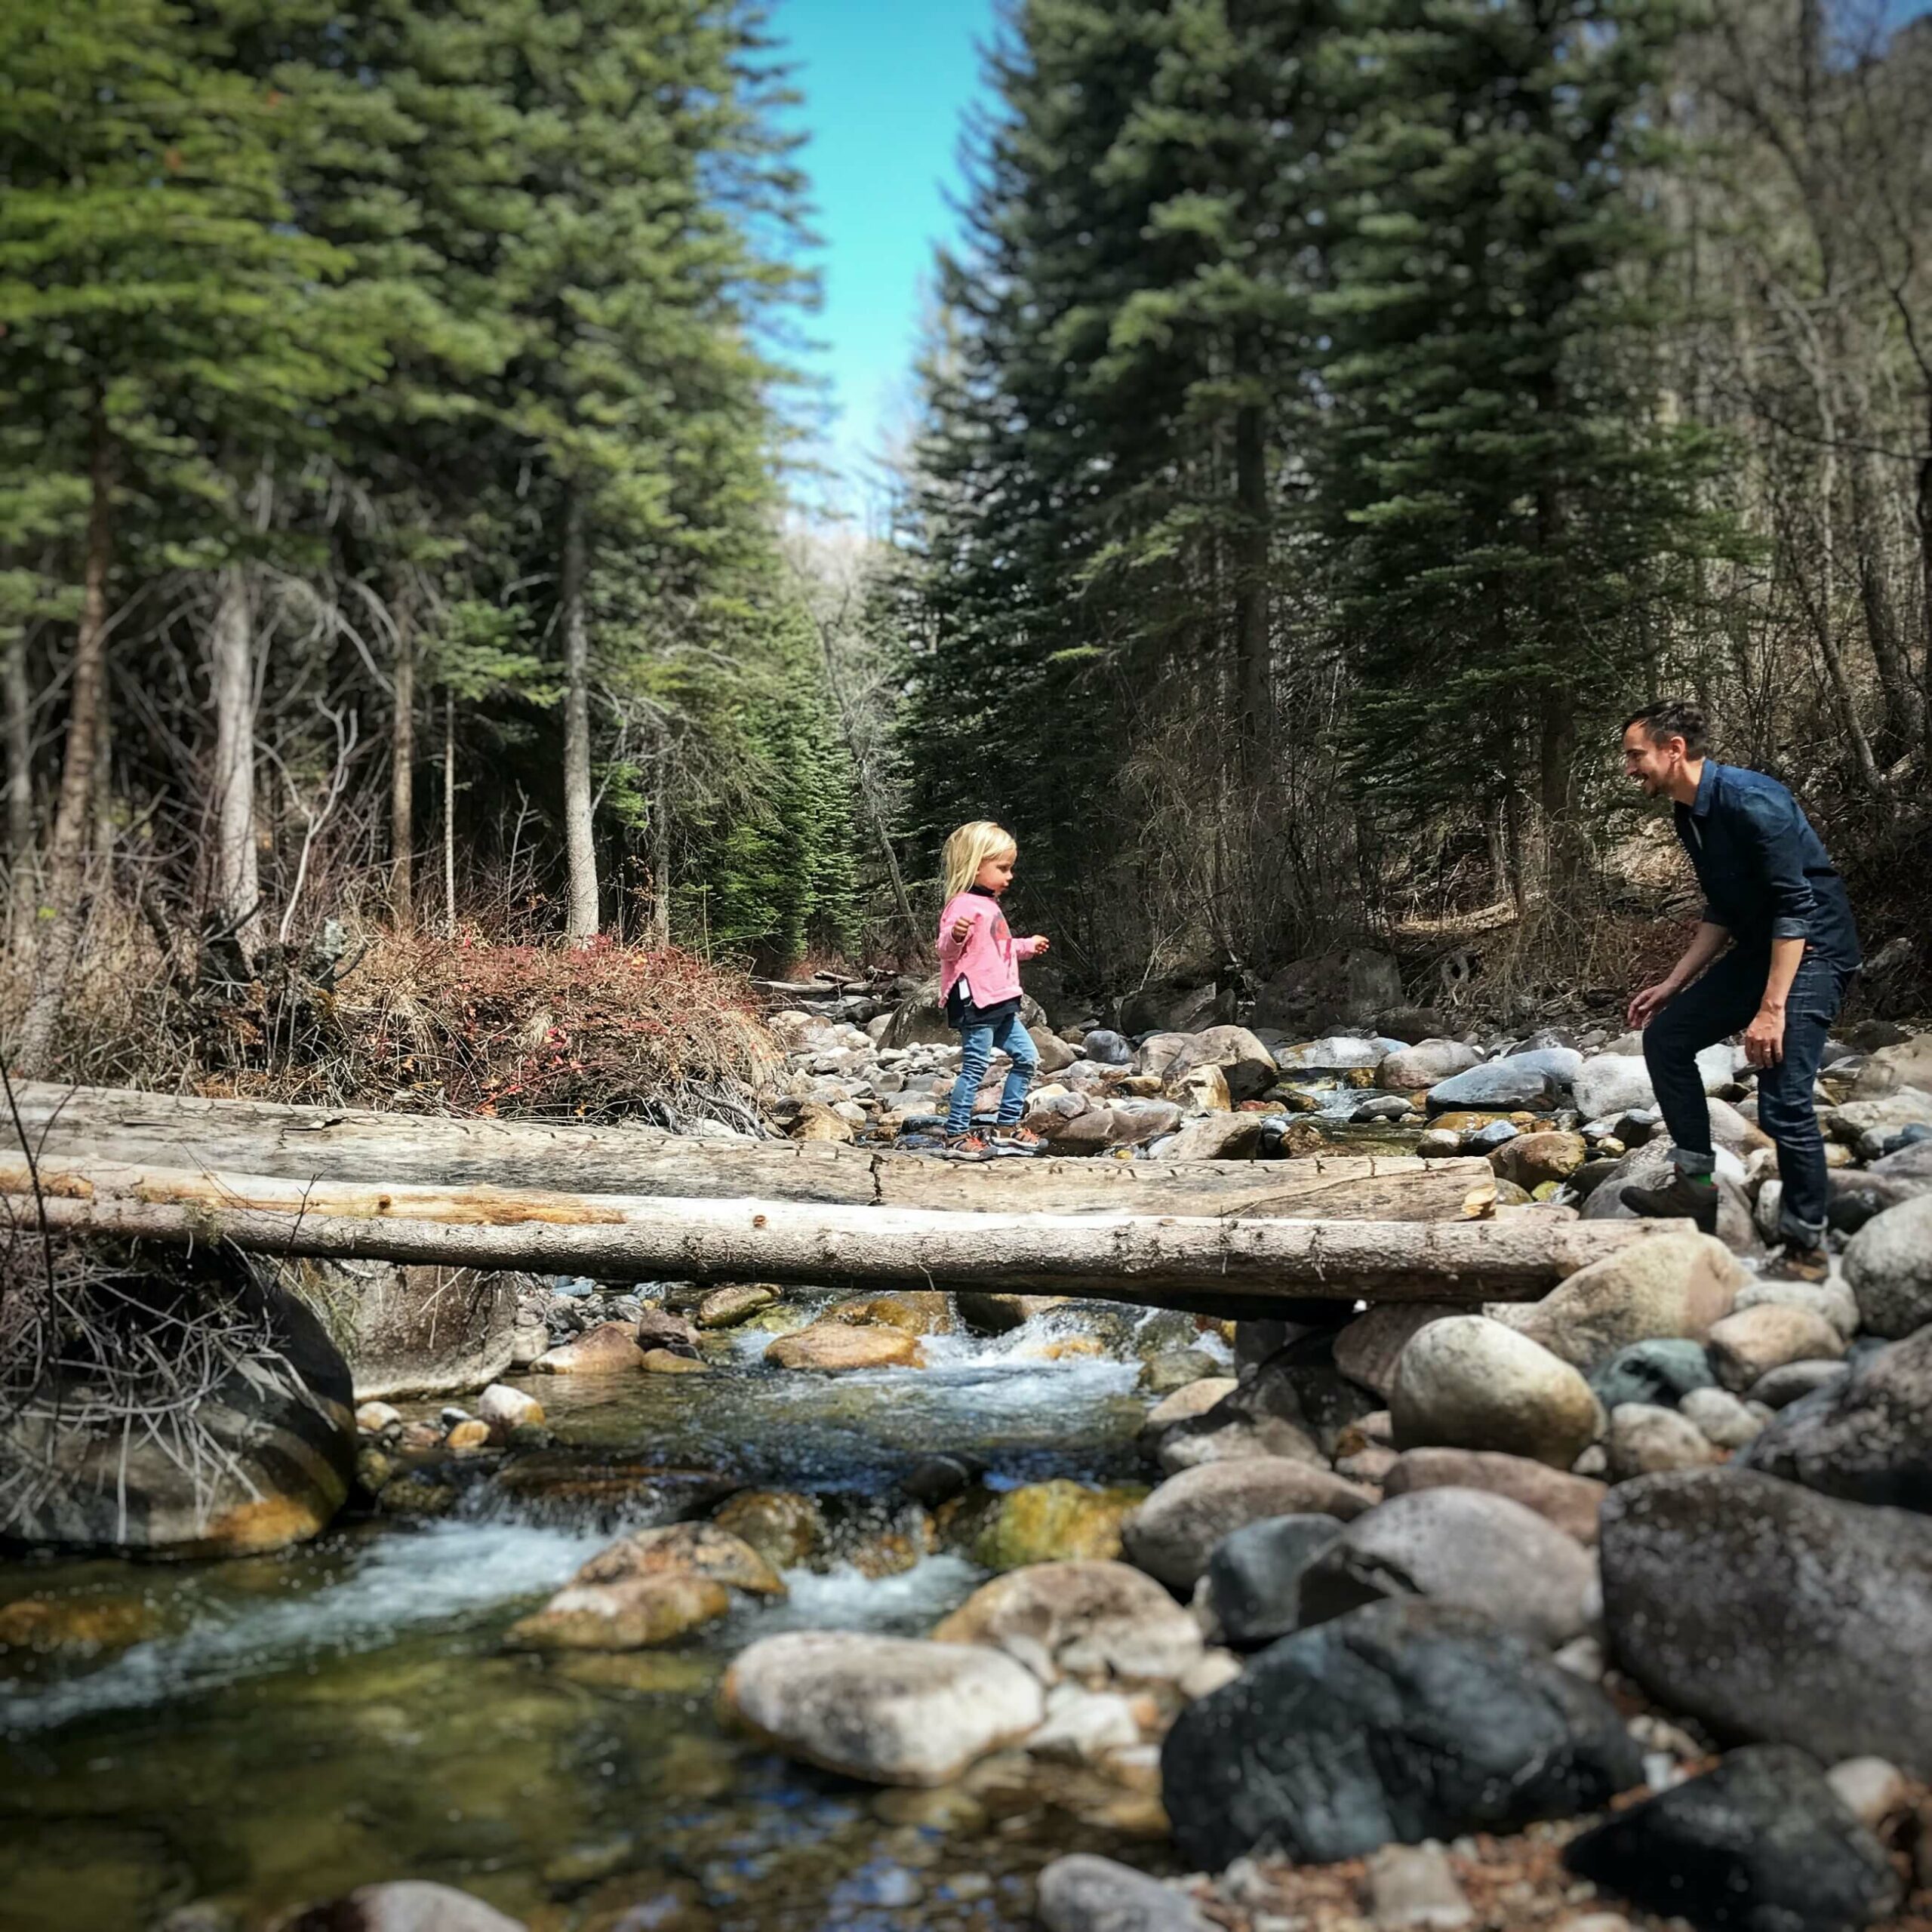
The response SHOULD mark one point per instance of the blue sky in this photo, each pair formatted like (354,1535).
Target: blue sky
(887,84)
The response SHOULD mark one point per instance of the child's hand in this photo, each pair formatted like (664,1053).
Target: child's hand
(962,926)
(1040,942)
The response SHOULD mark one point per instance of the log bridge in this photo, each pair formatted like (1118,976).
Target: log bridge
(1237,1238)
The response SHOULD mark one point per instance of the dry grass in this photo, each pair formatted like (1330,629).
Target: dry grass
(469,1025)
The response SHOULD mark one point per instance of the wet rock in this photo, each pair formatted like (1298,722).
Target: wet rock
(1192,1399)
(726,1307)
(1888,1268)
(1866,1437)
(698,1549)
(1762,1842)
(264,1458)
(1767,1611)
(1047,1522)
(1428,1063)
(1746,1345)
(913,1311)
(1173,1369)
(1660,1372)
(1338,1053)
(670,1361)
(1673,1288)
(468,1436)
(1569,1502)
(610,1347)
(630,1615)
(660,1328)
(1643,1438)
(784,1526)
(1398,1722)
(889,1710)
(78,1626)
(372,1418)
(404,1905)
(1463,1546)
(1172,1535)
(1094,1622)
(1254,1575)
(501,1408)
(835,1347)
(1084,1894)
(1000,1314)
(1468,1382)
(1368,1349)
(1531,1159)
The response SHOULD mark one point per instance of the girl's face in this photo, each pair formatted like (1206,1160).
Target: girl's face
(996,873)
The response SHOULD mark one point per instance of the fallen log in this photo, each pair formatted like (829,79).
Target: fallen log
(75,1126)
(1152,1259)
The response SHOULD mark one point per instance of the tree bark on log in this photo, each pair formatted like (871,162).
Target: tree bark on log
(76,1127)
(1114,1257)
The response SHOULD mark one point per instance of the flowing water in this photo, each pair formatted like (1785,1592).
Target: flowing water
(280,1729)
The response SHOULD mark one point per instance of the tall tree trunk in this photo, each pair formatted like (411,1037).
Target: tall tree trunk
(579,848)
(103,776)
(1251,631)
(660,850)
(402,775)
(1905,704)
(60,907)
(1565,853)
(237,890)
(22,860)
(449,811)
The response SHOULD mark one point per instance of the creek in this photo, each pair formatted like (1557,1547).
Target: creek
(251,1734)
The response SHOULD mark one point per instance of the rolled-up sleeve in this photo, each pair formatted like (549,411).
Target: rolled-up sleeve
(1772,826)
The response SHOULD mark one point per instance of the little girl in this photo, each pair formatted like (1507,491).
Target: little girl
(979,983)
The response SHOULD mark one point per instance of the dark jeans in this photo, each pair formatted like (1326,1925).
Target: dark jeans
(1722,1003)
(976,1052)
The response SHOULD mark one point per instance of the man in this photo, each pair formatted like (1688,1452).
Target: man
(1774,953)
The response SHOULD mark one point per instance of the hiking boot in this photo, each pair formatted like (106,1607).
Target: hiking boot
(1684,1199)
(1795,1261)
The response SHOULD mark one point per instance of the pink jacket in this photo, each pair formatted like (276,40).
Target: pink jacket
(987,959)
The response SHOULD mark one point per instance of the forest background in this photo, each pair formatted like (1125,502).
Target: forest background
(1338,414)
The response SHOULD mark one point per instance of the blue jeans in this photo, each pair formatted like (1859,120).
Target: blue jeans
(977,1045)
(1722,1003)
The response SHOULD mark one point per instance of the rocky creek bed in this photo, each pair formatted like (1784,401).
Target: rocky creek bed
(764,1608)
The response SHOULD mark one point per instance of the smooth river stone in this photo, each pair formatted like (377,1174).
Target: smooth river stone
(1468,1382)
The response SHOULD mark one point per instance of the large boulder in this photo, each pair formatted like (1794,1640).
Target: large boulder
(1464,1546)
(1888,1267)
(1538,1079)
(1091,1621)
(414,1330)
(1751,1344)
(1368,1349)
(1398,1722)
(1329,990)
(1762,1841)
(1468,1382)
(1246,1065)
(1866,1437)
(1569,1502)
(1768,1612)
(889,1710)
(258,1453)
(1674,1287)
(1530,1160)
(1254,1575)
(1172,1535)
(837,1348)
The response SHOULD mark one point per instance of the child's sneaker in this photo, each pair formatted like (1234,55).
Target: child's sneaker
(1017,1140)
(966,1147)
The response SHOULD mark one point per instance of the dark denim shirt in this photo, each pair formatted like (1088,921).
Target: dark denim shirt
(1765,873)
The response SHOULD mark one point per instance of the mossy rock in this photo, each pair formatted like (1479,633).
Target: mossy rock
(784,1526)
(913,1311)
(1053,1522)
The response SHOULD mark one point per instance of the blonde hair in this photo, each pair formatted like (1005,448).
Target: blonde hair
(966,850)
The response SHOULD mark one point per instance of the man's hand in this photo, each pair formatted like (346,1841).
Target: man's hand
(1764,1038)
(962,926)
(1040,943)
(1644,1006)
